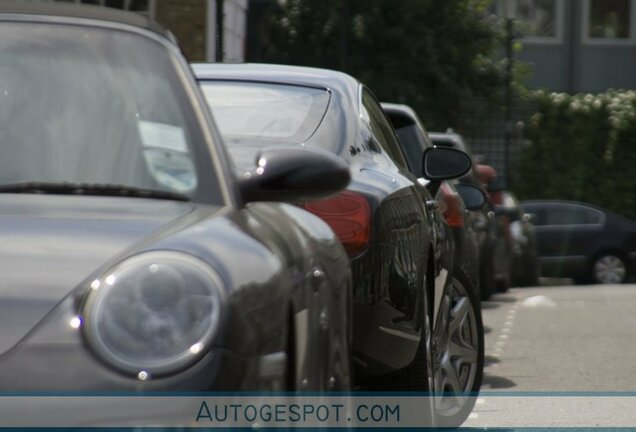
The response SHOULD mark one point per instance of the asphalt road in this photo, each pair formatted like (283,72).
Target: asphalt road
(554,354)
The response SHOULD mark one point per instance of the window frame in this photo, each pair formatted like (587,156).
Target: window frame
(508,8)
(575,207)
(586,39)
(390,148)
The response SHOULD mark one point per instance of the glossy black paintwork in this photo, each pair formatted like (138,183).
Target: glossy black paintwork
(294,174)
(403,260)
(415,142)
(280,267)
(441,163)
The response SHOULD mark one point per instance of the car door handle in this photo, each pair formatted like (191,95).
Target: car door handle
(432,205)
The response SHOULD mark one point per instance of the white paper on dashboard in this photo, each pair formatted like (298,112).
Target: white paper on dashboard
(162,135)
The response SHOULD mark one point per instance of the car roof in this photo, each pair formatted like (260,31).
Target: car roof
(564,202)
(308,76)
(52,11)
(400,109)
(447,136)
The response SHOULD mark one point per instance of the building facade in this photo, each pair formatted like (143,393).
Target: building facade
(194,23)
(575,45)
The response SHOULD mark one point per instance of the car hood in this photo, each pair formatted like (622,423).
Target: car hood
(50,244)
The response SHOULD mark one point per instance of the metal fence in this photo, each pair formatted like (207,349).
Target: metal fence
(486,134)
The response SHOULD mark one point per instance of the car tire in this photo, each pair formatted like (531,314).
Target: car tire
(503,283)
(530,275)
(458,353)
(609,268)
(487,277)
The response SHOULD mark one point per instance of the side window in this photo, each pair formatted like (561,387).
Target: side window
(592,216)
(381,128)
(538,212)
(608,19)
(572,215)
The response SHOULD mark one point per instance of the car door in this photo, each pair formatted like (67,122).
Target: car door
(404,224)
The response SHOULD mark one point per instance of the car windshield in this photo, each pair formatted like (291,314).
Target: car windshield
(282,114)
(81,105)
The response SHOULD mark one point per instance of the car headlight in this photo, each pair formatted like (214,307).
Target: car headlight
(154,313)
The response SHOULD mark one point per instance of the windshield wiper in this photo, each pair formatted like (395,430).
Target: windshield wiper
(68,188)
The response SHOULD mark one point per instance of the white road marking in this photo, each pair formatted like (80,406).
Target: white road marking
(539,301)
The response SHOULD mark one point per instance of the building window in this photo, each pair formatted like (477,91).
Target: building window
(609,19)
(537,18)
(144,7)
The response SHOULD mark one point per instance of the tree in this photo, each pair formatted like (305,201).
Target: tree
(434,55)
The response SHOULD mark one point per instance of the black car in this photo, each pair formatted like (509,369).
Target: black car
(583,241)
(132,257)
(494,249)
(401,256)
(414,141)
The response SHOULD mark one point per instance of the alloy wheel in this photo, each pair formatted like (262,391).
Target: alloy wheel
(609,269)
(456,354)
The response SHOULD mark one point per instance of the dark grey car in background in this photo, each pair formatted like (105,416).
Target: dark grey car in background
(132,258)
(583,241)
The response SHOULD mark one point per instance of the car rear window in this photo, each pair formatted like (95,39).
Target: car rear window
(287,114)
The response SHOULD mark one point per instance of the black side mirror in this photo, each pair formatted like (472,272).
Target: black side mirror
(473,196)
(294,174)
(444,163)
(498,184)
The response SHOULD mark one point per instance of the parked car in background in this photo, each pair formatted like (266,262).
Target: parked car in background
(132,257)
(405,305)
(526,268)
(583,241)
(494,247)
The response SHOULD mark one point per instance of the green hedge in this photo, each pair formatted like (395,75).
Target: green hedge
(581,147)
